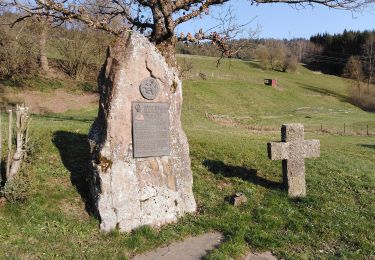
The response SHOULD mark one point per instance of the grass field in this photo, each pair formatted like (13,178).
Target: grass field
(310,98)
(335,220)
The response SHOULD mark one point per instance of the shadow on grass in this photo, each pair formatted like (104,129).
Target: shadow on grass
(324,68)
(75,154)
(218,167)
(325,92)
(65,118)
(370,146)
(253,64)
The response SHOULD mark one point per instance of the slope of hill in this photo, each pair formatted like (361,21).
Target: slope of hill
(304,96)
(219,115)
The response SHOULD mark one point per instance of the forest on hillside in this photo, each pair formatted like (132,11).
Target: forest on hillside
(336,50)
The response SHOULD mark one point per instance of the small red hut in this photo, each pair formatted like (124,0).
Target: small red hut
(270,82)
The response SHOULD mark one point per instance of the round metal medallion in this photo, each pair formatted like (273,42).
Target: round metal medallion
(149,88)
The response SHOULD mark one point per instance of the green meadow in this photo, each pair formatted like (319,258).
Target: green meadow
(228,118)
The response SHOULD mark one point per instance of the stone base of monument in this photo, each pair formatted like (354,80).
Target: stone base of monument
(141,165)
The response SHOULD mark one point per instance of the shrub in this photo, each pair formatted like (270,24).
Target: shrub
(277,53)
(79,52)
(18,189)
(186,66)
(290,63)
(87,87)
(363,97)
(276,56)
(18,57)
(262,55)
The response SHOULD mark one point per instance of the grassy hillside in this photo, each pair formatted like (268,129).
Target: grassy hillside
(304,96)
(335,220)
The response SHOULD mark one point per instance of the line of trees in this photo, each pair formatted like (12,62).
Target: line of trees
(338,48)
(350,54)
(362,93)
(279,55)
(157,19)
(283,55)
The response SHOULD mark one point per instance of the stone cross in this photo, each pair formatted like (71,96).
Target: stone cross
(292,150)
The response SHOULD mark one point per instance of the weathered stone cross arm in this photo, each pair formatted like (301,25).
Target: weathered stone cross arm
(280,150)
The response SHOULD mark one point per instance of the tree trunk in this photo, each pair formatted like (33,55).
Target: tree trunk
(163,36)
(368,84)
(43,61)
(168,50)
(371,72)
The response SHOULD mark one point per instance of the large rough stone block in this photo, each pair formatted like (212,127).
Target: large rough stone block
(129,192)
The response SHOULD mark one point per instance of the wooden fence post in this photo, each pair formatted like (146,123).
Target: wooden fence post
(367,130)
(10,135)
(344,128)
(19,110)
(27,135)
(22,125)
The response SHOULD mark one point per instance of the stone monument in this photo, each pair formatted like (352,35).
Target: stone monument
(141,164)
(292,150)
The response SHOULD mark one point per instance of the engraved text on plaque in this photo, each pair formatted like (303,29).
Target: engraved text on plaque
(150,129)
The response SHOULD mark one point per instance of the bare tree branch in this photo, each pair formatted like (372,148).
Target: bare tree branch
(337,4)
(157,19)
(165,14)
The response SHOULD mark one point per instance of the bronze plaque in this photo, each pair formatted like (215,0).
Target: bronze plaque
(150,129)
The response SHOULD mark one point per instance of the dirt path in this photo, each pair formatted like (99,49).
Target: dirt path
(195,248)
(189,249)
(260,256)
(58,101)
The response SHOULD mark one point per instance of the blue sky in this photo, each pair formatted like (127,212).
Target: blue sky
(283,21)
